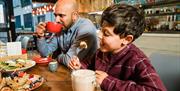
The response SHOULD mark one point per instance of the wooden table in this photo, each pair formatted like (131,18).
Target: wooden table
(54,81)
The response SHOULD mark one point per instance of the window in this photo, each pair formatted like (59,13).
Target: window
(16,3)
(3,15)
(18,21)
(28,20)
(41,18)
(25,3)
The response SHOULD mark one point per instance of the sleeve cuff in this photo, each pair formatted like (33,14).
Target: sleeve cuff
(62,59)
(108,83)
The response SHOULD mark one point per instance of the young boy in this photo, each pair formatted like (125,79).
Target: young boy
(119,64)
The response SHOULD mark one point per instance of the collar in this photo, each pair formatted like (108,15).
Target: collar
(123,51)
(75,25)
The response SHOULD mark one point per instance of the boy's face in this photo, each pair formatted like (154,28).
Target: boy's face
(109,41)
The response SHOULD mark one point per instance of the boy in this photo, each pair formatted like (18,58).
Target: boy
(119,64)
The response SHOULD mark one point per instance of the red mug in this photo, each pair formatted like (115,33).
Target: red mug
(24,51)
(54,27)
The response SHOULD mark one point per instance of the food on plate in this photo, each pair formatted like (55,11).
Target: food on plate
(83,45)
(20,81)
(2,82)
(6,89)
(17,64)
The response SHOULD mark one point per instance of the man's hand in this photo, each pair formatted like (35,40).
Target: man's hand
(40,29)
(100,76)
(74,63)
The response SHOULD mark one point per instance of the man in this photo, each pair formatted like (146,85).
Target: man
(75,30)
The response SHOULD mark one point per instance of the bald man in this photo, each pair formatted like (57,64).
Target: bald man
(76,30)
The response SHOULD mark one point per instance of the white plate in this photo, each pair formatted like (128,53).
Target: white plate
(35,81)
(30,62)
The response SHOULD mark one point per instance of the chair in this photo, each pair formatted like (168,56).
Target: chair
(25,42)
(168,68)
(19,38)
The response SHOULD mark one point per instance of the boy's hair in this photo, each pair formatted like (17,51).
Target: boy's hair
(126,19)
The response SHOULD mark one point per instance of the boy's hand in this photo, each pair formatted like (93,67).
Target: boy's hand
(74,63)
(100,76)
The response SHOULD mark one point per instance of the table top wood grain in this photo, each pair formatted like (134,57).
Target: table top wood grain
(54,81)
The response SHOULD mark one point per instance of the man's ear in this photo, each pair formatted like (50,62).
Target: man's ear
(75,15)
(128,39)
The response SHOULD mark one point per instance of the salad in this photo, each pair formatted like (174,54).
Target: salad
(13,65)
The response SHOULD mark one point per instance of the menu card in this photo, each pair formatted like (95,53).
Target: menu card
(14,48)
(1,14)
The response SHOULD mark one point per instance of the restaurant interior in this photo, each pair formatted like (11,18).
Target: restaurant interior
(161,16)
(18,20)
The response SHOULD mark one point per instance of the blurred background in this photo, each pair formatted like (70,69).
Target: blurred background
(21,16)
(160,40)
(18,19)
